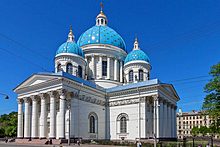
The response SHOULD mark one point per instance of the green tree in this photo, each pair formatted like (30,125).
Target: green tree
(195,131)
(211,103)
(8,125)
(203,130)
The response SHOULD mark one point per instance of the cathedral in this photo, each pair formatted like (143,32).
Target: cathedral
(97,92)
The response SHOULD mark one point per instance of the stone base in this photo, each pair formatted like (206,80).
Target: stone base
(39,141)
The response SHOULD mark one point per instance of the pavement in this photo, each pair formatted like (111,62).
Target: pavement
(32,145)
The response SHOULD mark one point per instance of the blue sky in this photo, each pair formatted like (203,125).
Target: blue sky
(180,37)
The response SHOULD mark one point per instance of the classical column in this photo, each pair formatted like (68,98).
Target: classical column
(172,121)
(168,121)
(27,123)
(100,67)
(121,71)
(52,115)
(20,119)
(174,113)
(43,117)
(93,67)
(156,116)
(87,68)
(161,118)
(34,126)
(61,121)
(108,67)
(164,119)
(115,69)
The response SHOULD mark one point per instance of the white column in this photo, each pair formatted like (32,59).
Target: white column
(43,117)
(115,69)
(87,68)
(100,67)
(164,119)
(34,126)
(61,121)
(20,119)
(121,71)
(156,116)
(52,115)
(108,67)
(172,122)
(168,121)
(93,67)
(175,129)
(27,123)
(161,118)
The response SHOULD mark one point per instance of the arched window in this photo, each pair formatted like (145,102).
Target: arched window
(122,122)
(131,76)
(59,68)
(80,71)
(69,68)
(102,21)
(141,75)
(93,123)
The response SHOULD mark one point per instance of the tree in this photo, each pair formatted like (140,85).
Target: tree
(203,130)
(211,103)
(8,125)
(195,131)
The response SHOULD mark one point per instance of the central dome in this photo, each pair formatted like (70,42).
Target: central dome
(101,34)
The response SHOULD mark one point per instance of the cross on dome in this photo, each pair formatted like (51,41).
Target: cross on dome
(101,19)
(70,35)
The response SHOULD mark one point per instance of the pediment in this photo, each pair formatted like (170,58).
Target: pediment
(35,80)
(171,90)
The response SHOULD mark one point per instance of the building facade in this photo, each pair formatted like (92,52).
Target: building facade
(97,91)
(187,120)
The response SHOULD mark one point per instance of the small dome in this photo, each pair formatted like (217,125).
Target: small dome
(101,34)
(136,54)
(70,46)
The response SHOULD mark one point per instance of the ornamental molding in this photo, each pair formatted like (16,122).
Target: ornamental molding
(127,101)
(127,92)
(89,99)
(34,98)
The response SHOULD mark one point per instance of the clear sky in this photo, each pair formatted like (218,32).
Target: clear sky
(182,39)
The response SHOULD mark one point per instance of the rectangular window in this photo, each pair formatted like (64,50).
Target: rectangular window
(104,68)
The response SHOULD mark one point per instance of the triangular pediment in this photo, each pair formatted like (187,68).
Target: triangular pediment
(35,80)
(171,90)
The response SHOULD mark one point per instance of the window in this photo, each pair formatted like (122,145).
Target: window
(59,68)
(131,76)
(122,122)
(123,125)
(104,68)
(79,71)
(92,124)
(69,68)
(141,75)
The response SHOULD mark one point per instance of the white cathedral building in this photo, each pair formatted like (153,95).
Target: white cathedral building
(97,91)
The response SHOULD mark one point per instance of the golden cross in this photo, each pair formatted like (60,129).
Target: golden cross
(102,5)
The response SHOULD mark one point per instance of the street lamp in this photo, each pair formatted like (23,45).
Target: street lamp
(5,95)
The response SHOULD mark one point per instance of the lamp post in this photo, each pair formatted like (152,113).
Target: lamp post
(5,95)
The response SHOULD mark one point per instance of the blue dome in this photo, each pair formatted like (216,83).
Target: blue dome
(70,47)
(101,35)
(136,55)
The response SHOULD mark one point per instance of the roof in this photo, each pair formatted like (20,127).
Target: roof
(101,35)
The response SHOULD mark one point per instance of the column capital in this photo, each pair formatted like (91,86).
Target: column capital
(51,93)
(62,92)
(34,98)
(26,100)
(42,96)
(155,97)
(20,101)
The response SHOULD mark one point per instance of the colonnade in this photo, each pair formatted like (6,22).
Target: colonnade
(165,118)
(35,123)
(94,63)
